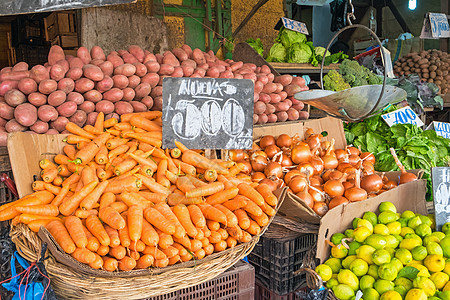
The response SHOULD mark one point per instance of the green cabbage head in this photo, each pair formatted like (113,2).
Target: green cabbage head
(320,51)
(277,53)
(289,37)
(299,53)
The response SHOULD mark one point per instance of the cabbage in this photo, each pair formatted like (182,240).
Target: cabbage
(256,44)
(299,53)
(277,53)
(320,51)
(289,37)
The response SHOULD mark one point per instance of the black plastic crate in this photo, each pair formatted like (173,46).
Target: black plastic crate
(277,255)
(237,283)
(263,293)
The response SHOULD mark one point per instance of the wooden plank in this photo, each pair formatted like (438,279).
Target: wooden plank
(301,68)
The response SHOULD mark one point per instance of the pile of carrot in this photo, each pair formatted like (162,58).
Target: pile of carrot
(115,200)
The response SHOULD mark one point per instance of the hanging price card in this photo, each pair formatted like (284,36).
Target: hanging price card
(295,25)
(404,115)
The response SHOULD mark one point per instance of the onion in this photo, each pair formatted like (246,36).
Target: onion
(329,161)
(348,184)
(291,174)
(266,140)
(372,183)
(336,175)
(306,197)
(326,175)
(284,140)
(285,160)
(340,153)
(297,184)
(405,176)
(337,201)
(368,168)
(320,208)
(236,155)
(255,147)
(313,140)
(273,169)
(301,153)
(318,178)
(258,163)
(272,184)
(248,167)
(354,159)
(271,150)
(333,188)
(389,185)
(317,194)
(306,168)
(353,151)
(368,156)
(258,176)
(260,153)
(317,164)
(314,181)
(342,166)
(356,193)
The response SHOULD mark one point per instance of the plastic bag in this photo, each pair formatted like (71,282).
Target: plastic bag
(320,294)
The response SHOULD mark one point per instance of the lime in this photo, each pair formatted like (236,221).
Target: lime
(359,267)
(377,241)
(398,237)
(426,220)
(405,282)
(390,250)
(439,279)
(391,295)
(361,233)
(387,206)
(365,223)
(423,271)
(370,294)
(396,264)
(445,245)
(337,238)
(383,286)
(381,256)
(366,282)
(355,222)
(324,271)
(407,214)
(401,290)
(447,267)
(349,278)
(446,228)
(334,263)
(394,227)
(387,272)
(430,238)
(387,217)
(339,251)
(439,234)
(419,253)
(403,222)
(434,248)
(352,247)
(409,244)
(434,263)
(425,284)
(349,233)
(371,217)
(416,294)
(391,241)
(365,252)
(413,236)
(445,295)
(381,229)
(404,255)
(405,231)
(446,287)
(332,283)
(373,271)
(414,222)
(423,230)
(433,221)
(347,261)
(343,292)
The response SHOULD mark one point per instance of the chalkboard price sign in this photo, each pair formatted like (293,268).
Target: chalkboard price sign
(440,177)
(208,113)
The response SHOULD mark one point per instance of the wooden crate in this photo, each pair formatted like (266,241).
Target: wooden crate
(66,41)
(60,24)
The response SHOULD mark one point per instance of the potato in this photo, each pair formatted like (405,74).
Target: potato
(7,85)
(123,107)
(236,66)
(56,53)
(156,92)
(93,96)
(111,116)
(177,72)
(97,53)
(27,86)
(300,81)
(105,85)
(283,95)
(264,98)
(25,114)
(120,81)
(292,114)
(125,69)
(166,69)
(39,127)
(152,66)
(292,89)
(200,71)
(113,95)
(281,106)
(280,88)
(151,78)
(83,85)
(275,98)
(14,126)
(170,59)
(137,52)
(67,109)
(64,64)
(39,73)
(128,58)
(265,69)
(259,107)
(107,68)
(269,88)
(6,111)
(75,97)
(196,75)
(74,73)
(91,118)
(48,86)
(115,59)
(141,69)
(180,54)
(142,90)
(15,97)
(66,85)
(262,78)
(93,72)
(6,70)
(15,75)
(104,106)
(84,55)
(21,66)
(2,123)
(133,81)
(189,63)
(96,62)
(213,72)
(255,119)
(270,109)
(76,63)
(283,79)
(157,103)
(87,106)
(271,77)
(281,116)
(255,97)
(303,115)
(187,49)
(128,94)
(272,118)
(187,71)
(56,98)
(148,101)
(238,76)
(262,119)
(79,118)
(3,137)
(138,106)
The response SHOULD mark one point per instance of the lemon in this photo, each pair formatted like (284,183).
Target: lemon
(365,223)
(370,294)
(446,287)
(430,238)
(419,253)
(332,283)
(347,261)
(324,271)
(425,220)
(423,271)
(440,235)
(381,229)
(434,248)
(447,267)
(337,238)
(371,217)
(387,217)
(433,221)
(359,267)
(365,252)
(414,222)
(352,247)
(404,255)
(373,271)
(407,214)
(423,230)
(403,222)
(434,263)
(391,295)
(425,284)
(396,264)
(349,278)
(355,222)
(377,241)
(406,230)
(343,292)
(445,245)
(390,250)
(339,251)
(439,279)
(413,236)
(391,241)
(409,244)
(416,294)
(401,290)
(404,282)
(334,263)
(387,272)
(394,227)
(387,206)
(361,233)
(381,256)
(398,237)
(366,282)
(383,286)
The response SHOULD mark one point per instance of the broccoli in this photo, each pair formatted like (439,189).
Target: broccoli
(357,75)
(334,81)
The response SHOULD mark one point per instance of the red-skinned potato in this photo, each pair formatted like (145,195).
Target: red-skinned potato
(105,85)
(299,81)
(120,81)
(189,63)
(93,96)
(166,69)
(6,70)
(79,118)
(40,127)
(87,107)
(270,109)
(48,86)
(180,54)
(14,75)
(93,72)
(14,126)
(83,85)
(25,114)
(157,103)
(187,71)
(6,111)
(59,123)
(74,73)
(152,66)
(283,79)
(75,97)
(137,52)
(264,98)
(177,72)
(141,69)
(156,92)
(47,113)
(187,49)
(148,101)
(115,59)
(198,56)
(123,107)
(170,59)
(128,94)
(107,68)
(142,90)
(113,95)
(133,81)
(292,114)
(21,66)
(97,53)
(96,62)
(76,62)
(129,58)
(56,98)
(57,72)
(112,115)
(303,115)
(56,53)
(282,116)
(15,97)
(66,85)
(104,106)
(272,118)
(292,89)
(37,99)
(138,106)
(262,119)
(27,86)
(39,73)
(91,118)
(7,85)
(125,69)
(274,98)
(84,55)
(259,107)
(151,78)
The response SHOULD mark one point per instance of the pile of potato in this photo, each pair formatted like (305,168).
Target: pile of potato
(431,66)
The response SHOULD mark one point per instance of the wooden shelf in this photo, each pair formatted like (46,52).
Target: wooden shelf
(292,68)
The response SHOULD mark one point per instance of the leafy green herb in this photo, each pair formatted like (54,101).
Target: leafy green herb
(408,272)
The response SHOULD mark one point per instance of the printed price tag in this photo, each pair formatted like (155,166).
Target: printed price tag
(404,115)
(294,25)
(435,25)
(441,128)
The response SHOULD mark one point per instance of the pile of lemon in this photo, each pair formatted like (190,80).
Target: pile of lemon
(391,256)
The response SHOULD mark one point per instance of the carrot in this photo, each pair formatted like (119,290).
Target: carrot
(58,181)
(199,254)
(206,231)
(94,225)
(181,250)
(135,219)
(119,206)
(225,163)
(231,242)
(220,246)
(212,225)
(35,225)
(171,176)
(128,184)
(145,261)
(118,252)
(28,218)
(236,203)
(225,181)
(174,260)
(165,210)
(154,251)
(88,152)
(208,190)
(199,161)
(262,220)
(113,236)
(75,129)
(83,214)
(149,236)
(103,250)
(223,233)
(196,245)
(76,231)
(49,174)
(68,207)
(140,246)
(75,139)
(155,218)
(144,123)
(124,235)
(88,175)
(157,152)
(125,166)
(97,263)
(79,186)
(111,217)
(93,197)
(134,255)
(152,185)
(268,210)
(254,228)
(210,175)
(71,179)
(165,240)
(197,182)
(237,168)
(9,211)
(161,174)
(267,194)
(127,264)
(83,255)
(252,208)
(185,242)
(38,185)
(135,199)
(249,192)
(46,163)
(184,184)
(116,142)
(215,237)
(231,217)
(222,196)
(175,198)
(144,161)
(110,264)
(205,241)
(187,257)
(146,139)
(161,263)
(175,153)
(132,147)
(171,165)
(102,155)
(42,210)
(209,249)
(213,213)
(92,130)
(122,126)
(69,151)
(106,199)
(117,151)
(243,219)
(197,216)
(182,214)
(81,144)
(186,168)
(148,114)
(99,121)
(62,237)
(236,232)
